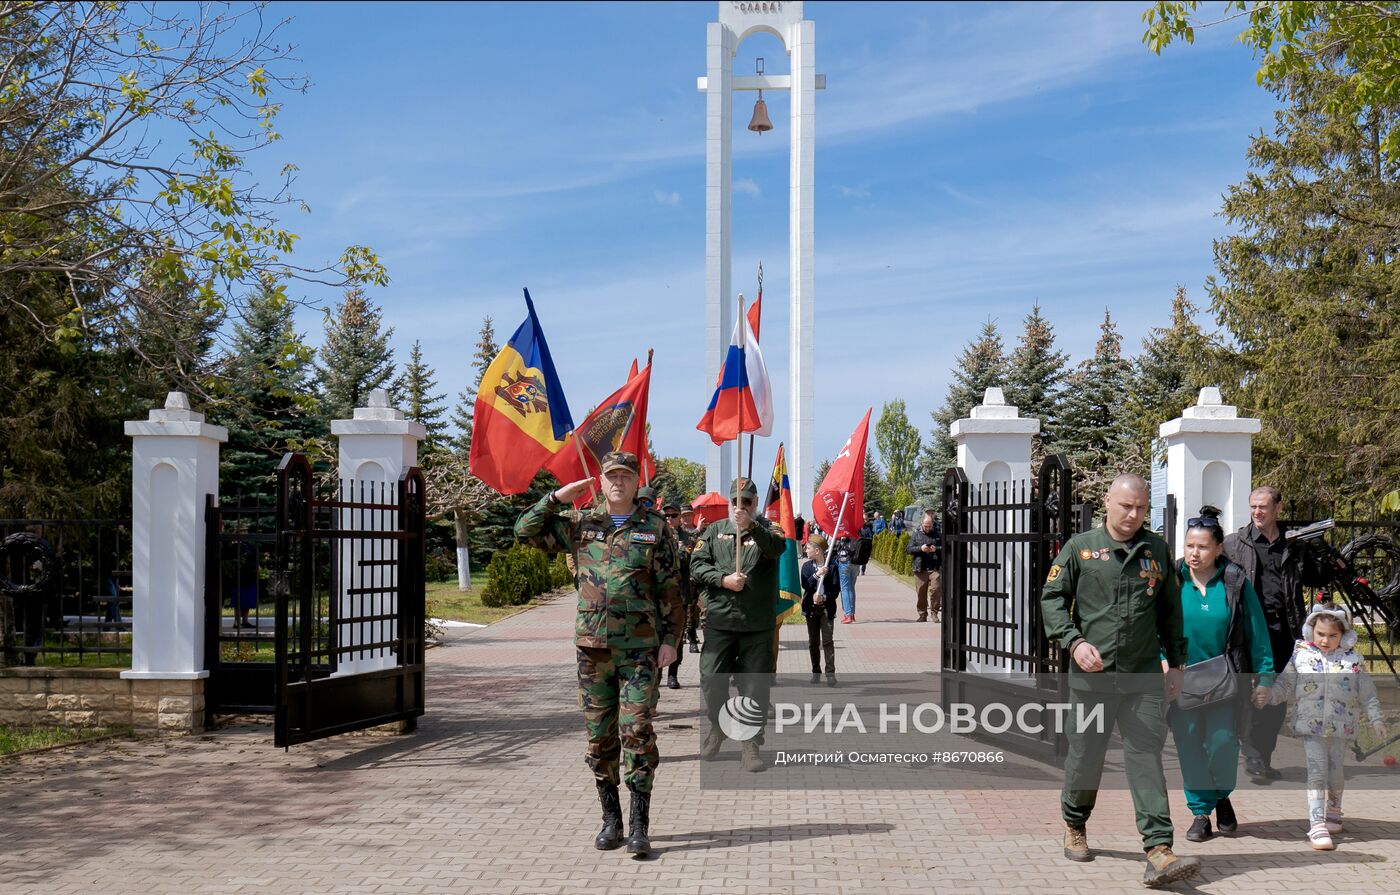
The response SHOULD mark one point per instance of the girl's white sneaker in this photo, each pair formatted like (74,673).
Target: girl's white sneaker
(1319,838)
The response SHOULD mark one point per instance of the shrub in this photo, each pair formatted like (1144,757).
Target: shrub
(516,575)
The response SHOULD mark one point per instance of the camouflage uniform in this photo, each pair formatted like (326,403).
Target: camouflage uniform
(629,603)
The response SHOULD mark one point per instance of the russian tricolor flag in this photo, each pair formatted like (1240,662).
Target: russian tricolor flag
(743,399)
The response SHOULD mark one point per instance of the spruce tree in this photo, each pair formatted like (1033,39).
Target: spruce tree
(1176,362)
(414,391)
(1094,427)
(355,358)
(1035,376)
(486,351)
(877,491)
(981,366)
(1307,290)
(268,406)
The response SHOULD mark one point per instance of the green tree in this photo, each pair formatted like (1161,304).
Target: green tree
(877,491)
(1356,42)
(981,365)
(355,358)
(1035,376)
(414,392)
(679,480)
(1176,362)
(1306,287)
(1095,430)
(267,402)
(486,351)
(89,91)
(898,442)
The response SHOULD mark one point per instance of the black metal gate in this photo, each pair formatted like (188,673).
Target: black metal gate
(999,541)
(349,630)
(241,581)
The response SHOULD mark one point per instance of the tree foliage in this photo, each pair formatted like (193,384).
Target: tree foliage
(1035,375)
(981,365)
(355,358)
(1095,430)
(1359,42)
(1176,362)
(137,229)
(678,480)
(413,392)
(898,442)
(486,351)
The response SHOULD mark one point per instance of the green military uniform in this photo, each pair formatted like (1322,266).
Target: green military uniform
(1125,600)
(629,603)
(738,624)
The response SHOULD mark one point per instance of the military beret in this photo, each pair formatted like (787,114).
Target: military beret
(743,487)
(621,460)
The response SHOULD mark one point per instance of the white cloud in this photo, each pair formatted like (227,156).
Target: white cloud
(665,198)
(853,192)
(747,185)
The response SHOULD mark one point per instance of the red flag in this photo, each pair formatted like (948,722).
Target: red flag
(618,424)
(844,482)
(755,313)
(632,373)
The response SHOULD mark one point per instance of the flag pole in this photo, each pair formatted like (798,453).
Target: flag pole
(760,298)
(739,440)
(840,517)
(592,488)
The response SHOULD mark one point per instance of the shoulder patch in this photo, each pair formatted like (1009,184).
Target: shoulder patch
(643,537)
(1054,573)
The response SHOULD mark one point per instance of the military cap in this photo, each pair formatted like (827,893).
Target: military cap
(671,506)
(818,541)
(646,496)
(621,460)
(743,487)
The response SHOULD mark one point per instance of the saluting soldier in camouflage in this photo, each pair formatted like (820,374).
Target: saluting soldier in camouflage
(685,543)
(628,625)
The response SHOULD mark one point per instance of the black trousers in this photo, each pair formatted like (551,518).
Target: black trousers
(1260,736)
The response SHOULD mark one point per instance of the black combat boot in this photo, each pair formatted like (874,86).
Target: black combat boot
(610,836)
(638,844)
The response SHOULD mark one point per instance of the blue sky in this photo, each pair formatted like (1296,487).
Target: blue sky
(970,160)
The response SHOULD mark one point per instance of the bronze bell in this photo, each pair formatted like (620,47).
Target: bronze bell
(759,122)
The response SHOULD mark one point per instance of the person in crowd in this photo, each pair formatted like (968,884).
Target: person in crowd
(1112,601)
(1227,642)
(821,587)
(926,548)
(844,554)
(878,526)
(685,543)
(897,524)
(741,599)
(1279,569)
(1326,680)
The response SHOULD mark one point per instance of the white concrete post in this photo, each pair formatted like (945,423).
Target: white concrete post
(377,446)
(719,174)
(994,445)
(174,467)
(1210,461)
(801,45)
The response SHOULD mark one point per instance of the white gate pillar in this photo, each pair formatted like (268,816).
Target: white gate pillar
(174,467)
(994,446)
(376,447)
(1210,461)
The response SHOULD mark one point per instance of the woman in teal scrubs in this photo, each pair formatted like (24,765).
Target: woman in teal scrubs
(1221,615)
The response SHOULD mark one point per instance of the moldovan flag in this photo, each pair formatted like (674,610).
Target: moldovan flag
(520,418)
(743,398)
(618,424)
(780,511)
(842,492)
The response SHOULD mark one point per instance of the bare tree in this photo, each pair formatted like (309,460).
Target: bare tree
(454,491)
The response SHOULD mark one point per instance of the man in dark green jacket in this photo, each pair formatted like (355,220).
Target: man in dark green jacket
(1112,600)
(739,614)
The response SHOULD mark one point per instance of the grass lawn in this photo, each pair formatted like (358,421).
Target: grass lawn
(23,739)
(445,601)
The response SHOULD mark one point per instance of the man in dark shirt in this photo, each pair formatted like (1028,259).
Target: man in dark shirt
(1276,569)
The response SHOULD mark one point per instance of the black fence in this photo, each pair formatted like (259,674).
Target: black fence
(241,587)
(65,592)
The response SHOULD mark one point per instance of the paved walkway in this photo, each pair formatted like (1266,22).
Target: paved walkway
(491,796)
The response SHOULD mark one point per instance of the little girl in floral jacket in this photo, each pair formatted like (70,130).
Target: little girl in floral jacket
(1327,681)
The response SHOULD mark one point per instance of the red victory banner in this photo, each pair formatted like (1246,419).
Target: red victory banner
(839,504)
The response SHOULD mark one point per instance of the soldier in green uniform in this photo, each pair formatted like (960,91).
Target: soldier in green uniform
(695,615)
(739,612)
(628,626)
(1112,600)
(685,543)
